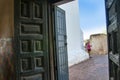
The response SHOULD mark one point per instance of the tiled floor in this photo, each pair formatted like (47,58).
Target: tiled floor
(96,68)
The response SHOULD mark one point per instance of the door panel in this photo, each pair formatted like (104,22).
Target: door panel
(31,40)
(61,45)
(112,10)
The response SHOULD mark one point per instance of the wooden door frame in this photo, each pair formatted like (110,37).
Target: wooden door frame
(51,25)
(16,39)
(52,42)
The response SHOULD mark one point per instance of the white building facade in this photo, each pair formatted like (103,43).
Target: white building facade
(76,52)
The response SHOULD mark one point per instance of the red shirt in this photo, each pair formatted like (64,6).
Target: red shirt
(88,46)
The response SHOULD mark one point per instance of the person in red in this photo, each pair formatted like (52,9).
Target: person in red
(88,47)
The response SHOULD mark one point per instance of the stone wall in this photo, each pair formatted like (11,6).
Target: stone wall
(99,44)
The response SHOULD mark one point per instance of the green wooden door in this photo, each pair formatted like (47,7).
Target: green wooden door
(61,45)
(31,38)
(113,31)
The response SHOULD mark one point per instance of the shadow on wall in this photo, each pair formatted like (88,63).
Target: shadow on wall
(99,44)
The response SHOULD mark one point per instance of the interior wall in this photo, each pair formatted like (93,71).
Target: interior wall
(7,71)
(6,18)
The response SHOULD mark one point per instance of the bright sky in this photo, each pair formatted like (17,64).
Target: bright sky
(92,17)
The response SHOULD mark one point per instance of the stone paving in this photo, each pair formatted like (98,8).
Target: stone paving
(96,68)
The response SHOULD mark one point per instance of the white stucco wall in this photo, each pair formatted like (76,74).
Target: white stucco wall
(76,52)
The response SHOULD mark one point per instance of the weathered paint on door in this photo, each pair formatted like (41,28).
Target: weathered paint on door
(61,45)
(31,40)
(113,29)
